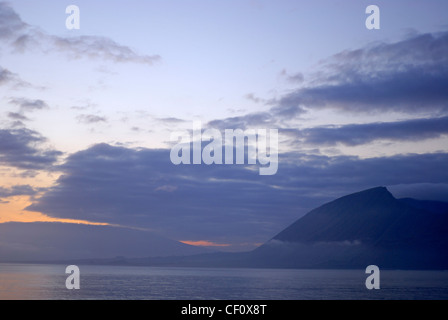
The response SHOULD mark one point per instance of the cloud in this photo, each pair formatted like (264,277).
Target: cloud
(28,104)
(18,190)
(5,76)
(252,97)
(357,134)
(129,187)
(8,77)
(421,191)
(143,188)
(100,48)
(24,37)
(90,118)
(171,120)
(297,77)
(408,76)
(10,22)
(17,116)
(23,149)
(256,119)
(166,188)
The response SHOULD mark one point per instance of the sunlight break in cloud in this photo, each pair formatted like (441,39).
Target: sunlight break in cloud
(205,243)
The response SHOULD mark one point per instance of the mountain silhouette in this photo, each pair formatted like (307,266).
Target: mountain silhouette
(357,230)
(52,241)
(354,231)
(367,227)
(361,217)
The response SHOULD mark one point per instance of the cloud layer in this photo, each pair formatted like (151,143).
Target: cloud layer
(9,78)
(142,188)
(23,37)
(24,149)
(409,76)
(18,190)
(358,134)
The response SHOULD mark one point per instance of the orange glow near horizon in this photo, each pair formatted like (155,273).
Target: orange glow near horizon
(12,208)
(12,211)
(205,243)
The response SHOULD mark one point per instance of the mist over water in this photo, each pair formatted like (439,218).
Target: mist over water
(47,282)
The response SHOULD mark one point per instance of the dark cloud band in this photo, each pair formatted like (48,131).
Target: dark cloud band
(142,188)
(22,149)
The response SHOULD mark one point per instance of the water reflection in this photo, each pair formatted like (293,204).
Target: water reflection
(29,282)
(47,282)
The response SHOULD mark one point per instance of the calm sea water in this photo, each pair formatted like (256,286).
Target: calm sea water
(47,282)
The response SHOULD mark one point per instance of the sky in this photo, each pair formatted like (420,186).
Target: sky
(86,115)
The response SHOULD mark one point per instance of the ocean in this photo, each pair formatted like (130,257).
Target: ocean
(48,282)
